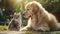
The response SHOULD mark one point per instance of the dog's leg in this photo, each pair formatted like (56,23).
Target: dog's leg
(28,25)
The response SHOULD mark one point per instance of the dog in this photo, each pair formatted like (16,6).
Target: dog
(39,18)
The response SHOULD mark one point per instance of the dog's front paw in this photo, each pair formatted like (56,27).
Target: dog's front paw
(24,29)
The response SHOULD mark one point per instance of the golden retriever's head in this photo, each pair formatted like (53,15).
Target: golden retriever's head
(31,8)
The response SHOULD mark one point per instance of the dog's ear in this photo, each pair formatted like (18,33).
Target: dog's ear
(35,8)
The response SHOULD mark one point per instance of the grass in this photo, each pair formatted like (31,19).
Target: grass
(3,27)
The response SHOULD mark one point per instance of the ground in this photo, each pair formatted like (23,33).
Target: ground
(3,30)
(27,32)
(3,27)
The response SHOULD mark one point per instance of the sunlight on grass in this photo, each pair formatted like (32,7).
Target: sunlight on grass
(2,28)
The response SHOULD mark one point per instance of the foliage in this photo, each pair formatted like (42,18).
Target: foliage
(51,5)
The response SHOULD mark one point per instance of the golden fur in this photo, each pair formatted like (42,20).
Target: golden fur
(39,18)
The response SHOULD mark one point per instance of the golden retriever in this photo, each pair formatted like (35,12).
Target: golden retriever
(39,18)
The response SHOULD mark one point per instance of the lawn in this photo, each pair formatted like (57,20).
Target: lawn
(3,27)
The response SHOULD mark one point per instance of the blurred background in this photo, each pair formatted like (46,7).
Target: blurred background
(8,7)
